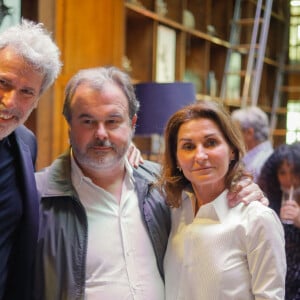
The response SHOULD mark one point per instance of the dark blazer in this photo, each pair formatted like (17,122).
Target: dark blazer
(20,278)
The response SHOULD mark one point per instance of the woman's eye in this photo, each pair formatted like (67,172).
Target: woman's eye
(187,146)
(211,143)
(3,83)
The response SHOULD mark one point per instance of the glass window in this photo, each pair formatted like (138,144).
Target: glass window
(293,106)
(293,121)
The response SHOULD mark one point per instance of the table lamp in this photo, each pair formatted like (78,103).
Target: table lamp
(158,101)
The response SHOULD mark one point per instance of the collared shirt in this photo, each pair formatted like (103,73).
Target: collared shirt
(224,254)
(120,262)
(255,158)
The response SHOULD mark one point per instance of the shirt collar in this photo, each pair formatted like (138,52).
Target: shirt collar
(216,210)
(264,146)
(220,205)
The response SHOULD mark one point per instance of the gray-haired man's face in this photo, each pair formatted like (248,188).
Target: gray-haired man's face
(20,88)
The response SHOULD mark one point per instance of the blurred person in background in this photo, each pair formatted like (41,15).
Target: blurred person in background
(280,176)
(254,124)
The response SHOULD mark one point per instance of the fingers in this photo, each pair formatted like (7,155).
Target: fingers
(289,211)
(253,195)
(244,182)
(134,156)
(138,159)
(287,215)
(265,201)
(297,220)
(246,191)
(291,203)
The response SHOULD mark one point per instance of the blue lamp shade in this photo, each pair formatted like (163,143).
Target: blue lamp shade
(158,101)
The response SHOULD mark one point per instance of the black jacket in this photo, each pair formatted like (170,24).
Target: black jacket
(20,277)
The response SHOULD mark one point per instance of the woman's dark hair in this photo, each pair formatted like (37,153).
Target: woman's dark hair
(268,179)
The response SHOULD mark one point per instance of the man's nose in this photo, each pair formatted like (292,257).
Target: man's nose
(9,99)
(101,131)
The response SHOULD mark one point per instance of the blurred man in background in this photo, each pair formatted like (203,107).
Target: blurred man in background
(255,127)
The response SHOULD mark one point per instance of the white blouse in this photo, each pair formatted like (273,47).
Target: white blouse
(225,253)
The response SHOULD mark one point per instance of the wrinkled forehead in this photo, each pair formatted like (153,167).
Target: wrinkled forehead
(108,94)
(12,56)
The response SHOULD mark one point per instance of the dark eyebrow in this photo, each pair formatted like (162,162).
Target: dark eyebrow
(184,140)
(116,115)
(212,135)
(206,136)
(84,115)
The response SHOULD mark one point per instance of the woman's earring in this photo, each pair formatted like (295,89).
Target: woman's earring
(179,168)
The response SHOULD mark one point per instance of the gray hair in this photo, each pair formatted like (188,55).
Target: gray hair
(253,117)
(96,78)
(34,43)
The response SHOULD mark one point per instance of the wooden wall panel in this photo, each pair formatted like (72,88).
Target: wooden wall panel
(43,127)
(89,33)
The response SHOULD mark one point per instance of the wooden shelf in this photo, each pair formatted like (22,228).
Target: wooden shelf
(202,49)
(279,132)
(110,31)
(165,21)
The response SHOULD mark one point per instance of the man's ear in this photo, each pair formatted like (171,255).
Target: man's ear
(133,121)
(250,131)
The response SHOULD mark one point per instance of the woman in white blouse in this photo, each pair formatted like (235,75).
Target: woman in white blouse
(215,252)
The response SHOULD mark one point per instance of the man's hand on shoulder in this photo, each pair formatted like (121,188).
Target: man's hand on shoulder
(246,191)
(134,156)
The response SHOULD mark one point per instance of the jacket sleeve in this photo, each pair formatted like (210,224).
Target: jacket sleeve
(155,212)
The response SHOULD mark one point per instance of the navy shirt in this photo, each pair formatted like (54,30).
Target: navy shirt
(10,205)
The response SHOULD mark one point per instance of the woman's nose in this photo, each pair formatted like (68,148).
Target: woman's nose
(201,153)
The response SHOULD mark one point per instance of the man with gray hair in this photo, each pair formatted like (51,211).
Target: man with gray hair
(255,127)
(29,64)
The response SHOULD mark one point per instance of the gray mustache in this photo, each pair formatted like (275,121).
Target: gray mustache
(100,143)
